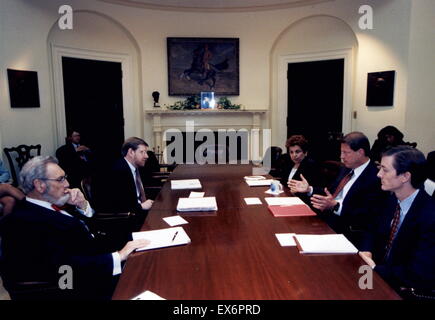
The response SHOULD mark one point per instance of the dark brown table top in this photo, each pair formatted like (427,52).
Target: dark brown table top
(234,253)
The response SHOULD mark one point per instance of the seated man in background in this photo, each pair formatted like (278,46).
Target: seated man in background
(74,158)
(123,190)
(351,202)
(39,237)
(401,244)
(8,197)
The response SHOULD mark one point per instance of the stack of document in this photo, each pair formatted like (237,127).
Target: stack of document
(197,204)
(283,201)
(288,207)
(162,238)
(324,243)
(185,184)
(259,183)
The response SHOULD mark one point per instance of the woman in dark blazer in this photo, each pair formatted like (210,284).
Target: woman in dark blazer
(296,161)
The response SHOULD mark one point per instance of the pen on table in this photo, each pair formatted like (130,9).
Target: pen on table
(174,236)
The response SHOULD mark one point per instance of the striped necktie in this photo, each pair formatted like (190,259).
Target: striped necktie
(342,183)
(393,231)
(139,187)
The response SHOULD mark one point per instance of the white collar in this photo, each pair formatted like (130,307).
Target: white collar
(357,171)
(45,204)
(132,168)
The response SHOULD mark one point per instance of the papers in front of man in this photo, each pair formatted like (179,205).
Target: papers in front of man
(283,201)
(252,201)
(259,183)
(288,207)
(194,194)
(197,204)
(162,238)
(254,178)
(185,184)
(324,244)
(174,220)
(286,239)
(148,295)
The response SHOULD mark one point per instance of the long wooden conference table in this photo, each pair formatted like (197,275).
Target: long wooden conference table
(234,253)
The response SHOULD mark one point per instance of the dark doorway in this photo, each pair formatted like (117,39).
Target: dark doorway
(93,105)
(315,105)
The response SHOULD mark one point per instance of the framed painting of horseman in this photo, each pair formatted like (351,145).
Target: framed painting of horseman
(203,64)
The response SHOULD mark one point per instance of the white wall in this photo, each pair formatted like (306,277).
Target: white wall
(399,40)
(420,111)
(23,35)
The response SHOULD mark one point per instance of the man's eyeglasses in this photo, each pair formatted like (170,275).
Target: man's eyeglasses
(60,179)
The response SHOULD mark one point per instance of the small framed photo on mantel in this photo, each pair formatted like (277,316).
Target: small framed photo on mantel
(207,100)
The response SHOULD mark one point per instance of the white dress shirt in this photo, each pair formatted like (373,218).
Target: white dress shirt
(292,173)
(342,194)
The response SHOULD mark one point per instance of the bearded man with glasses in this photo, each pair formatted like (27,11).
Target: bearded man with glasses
(40,239)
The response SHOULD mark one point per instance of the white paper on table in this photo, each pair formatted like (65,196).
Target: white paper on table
(259,183)
(174,220)
(251,201)
(185,184)
(325,243)
(197,204)
(148,295)
(283,201)
(286,239)
(254,178)
(194,194)
(162,238)
(273,192)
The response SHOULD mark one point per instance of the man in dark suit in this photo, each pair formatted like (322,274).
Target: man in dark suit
(351,202)
(39,237)
(74,158)
(125,192)
(401,244)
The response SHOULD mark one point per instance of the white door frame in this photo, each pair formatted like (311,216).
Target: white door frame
(282,101)
(57,53)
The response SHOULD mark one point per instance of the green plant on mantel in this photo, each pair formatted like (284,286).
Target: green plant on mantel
(193,102)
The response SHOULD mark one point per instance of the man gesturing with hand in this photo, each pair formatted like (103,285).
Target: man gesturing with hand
(350,203)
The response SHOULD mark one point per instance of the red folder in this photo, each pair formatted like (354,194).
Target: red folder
(296,210)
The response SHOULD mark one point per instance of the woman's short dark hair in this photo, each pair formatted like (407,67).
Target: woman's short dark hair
(408,159)
(297,140)
(132,143)
(357,140)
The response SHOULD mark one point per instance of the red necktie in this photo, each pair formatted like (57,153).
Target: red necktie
(342,183)
(393,231)
(56,208)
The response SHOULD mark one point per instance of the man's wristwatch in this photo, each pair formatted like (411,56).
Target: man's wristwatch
(337,207)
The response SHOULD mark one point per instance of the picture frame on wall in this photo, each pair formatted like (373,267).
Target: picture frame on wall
(380,89)
(23,88)
(197,65)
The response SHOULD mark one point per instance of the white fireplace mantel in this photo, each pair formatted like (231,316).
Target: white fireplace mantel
(164,119)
